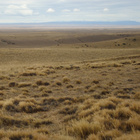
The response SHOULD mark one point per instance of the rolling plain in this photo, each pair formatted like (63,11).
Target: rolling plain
(69,84)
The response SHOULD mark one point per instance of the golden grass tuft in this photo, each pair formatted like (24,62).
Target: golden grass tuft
(131,125)
(29,107)
(109,135)
(135,107)
(68,110)
(42,83)
(133,136)
(39,123)
(30,73)
(137,96)
(1,104)
(66,80)
(95,81)
(58,83)
(78,82)
(92,137)
(122,113)
(82,129)
(107,104)
(22,135)
(9,106)
(63,137)
(2,87)
(13,84)
(1,93)
(24,84)
(70,86)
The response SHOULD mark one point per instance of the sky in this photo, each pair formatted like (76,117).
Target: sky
(36,11)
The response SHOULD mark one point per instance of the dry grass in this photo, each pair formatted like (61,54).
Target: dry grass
(82,129)
(79,90)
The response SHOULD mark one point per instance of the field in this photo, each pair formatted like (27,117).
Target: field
(69,84)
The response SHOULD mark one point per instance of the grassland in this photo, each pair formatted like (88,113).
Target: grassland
(70,84)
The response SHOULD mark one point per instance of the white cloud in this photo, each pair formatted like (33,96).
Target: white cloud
(63,10)
(66,10)
(18,10)
(62,0)
(76,10)
(50,10)
(106,9)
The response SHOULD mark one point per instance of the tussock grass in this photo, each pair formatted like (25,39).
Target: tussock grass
(29,107)
(1,104)
(137,96)
(28,74)
(2,88)
(70,86)
(92,137)
(112,134)
(130,125)
(49,71)
(133,136)
(107,105)
(88,100)
(22,134)
(38,123)
(78,81)
(58,83)
(66,80)
(42,83)
(135,107)
(24,84)
(63,137)
(68,110)
(82,129)
(1,93)
(13,84)
(123,113)
(95,81)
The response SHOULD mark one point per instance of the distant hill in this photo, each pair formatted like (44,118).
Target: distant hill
(77,23)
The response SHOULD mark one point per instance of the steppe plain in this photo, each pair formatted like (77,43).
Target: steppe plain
(69,84)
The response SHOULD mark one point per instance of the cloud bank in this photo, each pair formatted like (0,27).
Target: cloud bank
(68,10)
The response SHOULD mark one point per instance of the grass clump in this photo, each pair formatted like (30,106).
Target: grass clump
(29,107)
(137,96)
(122,113)
(58,83)
(28,74)
(107,105)
(42,83)
(78,81)
(13,84)
(135,107)
(82,129)
(66,80)
(24,84)
(22,135)
(68,110)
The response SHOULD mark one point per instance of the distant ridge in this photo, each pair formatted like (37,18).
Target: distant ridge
(90,23)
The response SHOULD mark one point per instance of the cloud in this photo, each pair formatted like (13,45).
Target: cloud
(62,0)
(66,10)
(50,10)
(18,10)
(76,10)
(106,9)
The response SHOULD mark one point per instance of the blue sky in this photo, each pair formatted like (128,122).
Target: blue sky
(34,11)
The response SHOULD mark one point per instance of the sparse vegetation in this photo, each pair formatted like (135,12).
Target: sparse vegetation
(87,90)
